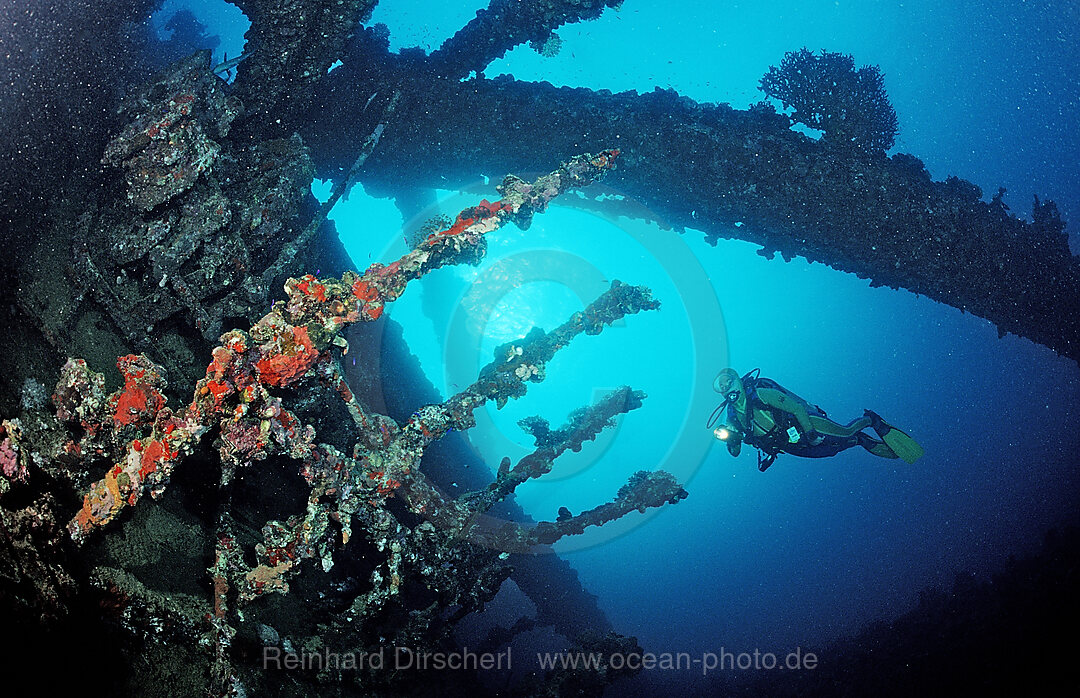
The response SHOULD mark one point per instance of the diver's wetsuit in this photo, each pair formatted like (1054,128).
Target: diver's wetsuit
(766,411)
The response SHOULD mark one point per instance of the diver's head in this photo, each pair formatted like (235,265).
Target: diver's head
(729,384)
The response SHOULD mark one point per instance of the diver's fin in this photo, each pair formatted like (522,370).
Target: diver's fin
(900,443)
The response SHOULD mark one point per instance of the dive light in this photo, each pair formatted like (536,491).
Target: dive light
(726,433)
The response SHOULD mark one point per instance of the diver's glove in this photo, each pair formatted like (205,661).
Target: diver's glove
(815,438)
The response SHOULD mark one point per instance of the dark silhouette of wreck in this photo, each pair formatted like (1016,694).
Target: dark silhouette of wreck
(164,212)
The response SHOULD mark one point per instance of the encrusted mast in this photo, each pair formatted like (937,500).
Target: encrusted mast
(293,343)
(292,351)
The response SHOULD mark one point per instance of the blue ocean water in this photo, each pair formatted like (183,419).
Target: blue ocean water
(810,550)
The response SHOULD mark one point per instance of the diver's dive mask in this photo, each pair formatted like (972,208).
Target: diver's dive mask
(728,384)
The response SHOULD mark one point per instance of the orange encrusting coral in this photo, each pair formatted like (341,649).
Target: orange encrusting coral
(123,483)
(468,217)
(140,398)
(282,366)
(288,344)
(310,286)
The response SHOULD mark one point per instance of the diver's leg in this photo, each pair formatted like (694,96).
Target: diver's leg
(828,447)
(899,443)
(878,448)
(824,425)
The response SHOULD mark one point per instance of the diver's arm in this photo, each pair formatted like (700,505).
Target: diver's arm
(782,401)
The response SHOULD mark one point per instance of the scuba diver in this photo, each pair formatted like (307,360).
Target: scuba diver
(774,420)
